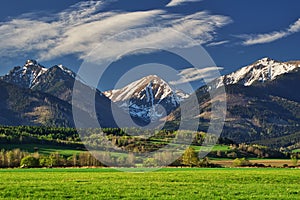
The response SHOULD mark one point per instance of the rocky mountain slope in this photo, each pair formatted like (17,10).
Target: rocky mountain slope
(263,70)
(263,104)
(20,106)
(149,98)
(58,82)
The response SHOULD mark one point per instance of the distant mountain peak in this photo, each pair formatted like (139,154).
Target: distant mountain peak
(57,80)
(141,97)
(136,87)
(31,62)
(265,69)
(265,60)
(65,70)
(26,76)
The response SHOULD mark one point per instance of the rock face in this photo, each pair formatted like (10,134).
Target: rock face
(149,98)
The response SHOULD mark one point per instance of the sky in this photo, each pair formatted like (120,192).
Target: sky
(233,33)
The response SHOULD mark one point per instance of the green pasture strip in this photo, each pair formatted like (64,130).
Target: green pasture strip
(214,148)
(296,150)
(42,149)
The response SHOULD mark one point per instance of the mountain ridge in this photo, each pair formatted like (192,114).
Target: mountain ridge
(143,98)
(259,112)
(58,81)
(265,69)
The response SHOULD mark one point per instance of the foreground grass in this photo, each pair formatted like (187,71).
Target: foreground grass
(163,184)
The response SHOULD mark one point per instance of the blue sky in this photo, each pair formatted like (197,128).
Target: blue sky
(234,33)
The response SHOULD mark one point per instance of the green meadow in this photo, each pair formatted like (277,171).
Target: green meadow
(296,150)
(168,183)
(43,149)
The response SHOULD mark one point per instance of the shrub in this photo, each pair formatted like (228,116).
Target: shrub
(45,161)
(150,162)
(294,159)
(241,162)
(190,157)
(29,161)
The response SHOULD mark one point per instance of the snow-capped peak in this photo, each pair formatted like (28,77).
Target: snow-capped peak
(265,61)
(32,74)
(141,97)
(27,75)
(265,69)
(66,70)
(135,88)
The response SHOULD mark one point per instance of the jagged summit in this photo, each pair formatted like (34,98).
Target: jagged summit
(265,60)
(141,97)
(265,69)
(57,80)
(65,70)
(33,74)
(26,76)
(135,89)
(31,62)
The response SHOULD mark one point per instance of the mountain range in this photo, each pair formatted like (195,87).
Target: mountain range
(263,104)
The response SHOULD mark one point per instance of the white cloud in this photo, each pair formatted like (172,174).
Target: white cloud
(217,43)
(295,27)
(178,2)
(86,36)
(271,37)
(176,32)
(79,29)
(193,74)
(26,35)
(200,26)
(264,38)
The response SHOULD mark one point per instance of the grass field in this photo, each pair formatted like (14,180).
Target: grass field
(296,150)
(42,148)
(164,184)
(266,162)
(216,147)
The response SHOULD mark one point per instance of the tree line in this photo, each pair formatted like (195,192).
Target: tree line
(16,158)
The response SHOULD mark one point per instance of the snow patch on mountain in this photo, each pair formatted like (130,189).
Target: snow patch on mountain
(26,76)
(149,97)
(181,95)
(263,70)
(67,71)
